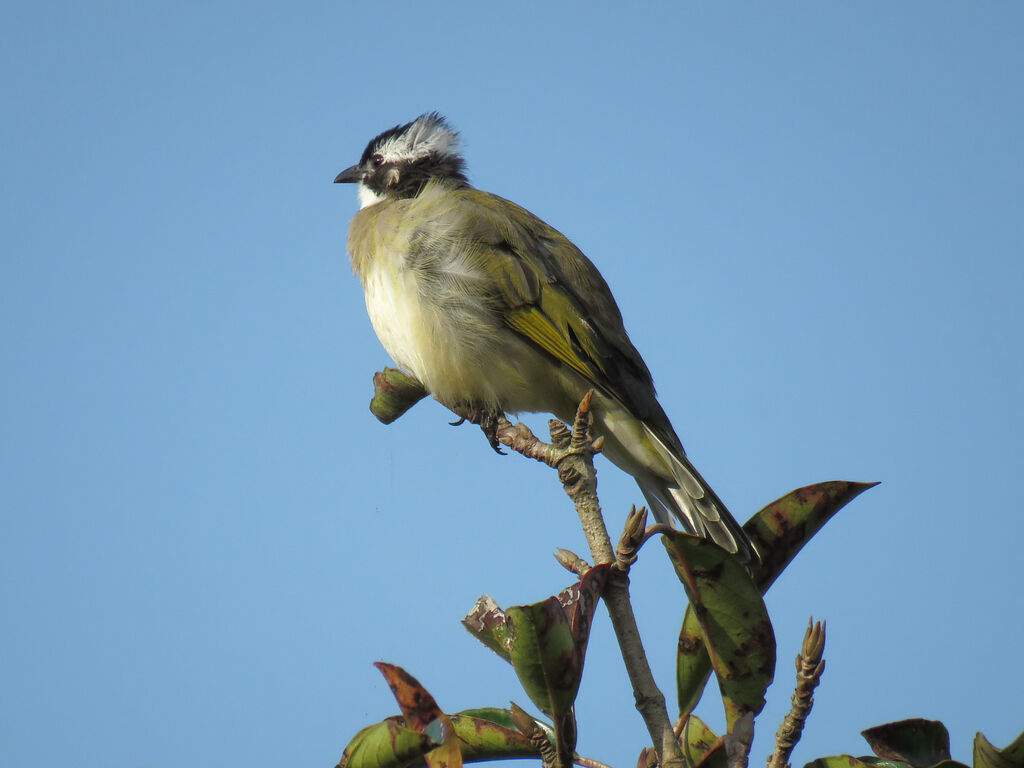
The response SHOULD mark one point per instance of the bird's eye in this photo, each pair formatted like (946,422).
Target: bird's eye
(377,160)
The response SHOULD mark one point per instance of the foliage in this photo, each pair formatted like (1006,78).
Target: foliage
(725,630)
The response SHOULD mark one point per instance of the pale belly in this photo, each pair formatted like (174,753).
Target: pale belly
(392,302)
(462,359)
(458,355)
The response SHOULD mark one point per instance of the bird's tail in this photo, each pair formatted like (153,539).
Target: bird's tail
(669,482)
(689,499)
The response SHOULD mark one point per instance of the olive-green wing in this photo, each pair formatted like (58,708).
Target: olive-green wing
(552,295)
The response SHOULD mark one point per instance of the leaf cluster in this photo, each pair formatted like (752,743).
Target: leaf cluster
(725,630)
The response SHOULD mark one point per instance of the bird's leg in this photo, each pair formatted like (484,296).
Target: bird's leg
(489,422)
(486,417)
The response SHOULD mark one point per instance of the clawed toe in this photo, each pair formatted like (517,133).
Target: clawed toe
(488,419)
(489,424)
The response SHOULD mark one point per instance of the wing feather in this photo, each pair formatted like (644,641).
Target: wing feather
(553,296)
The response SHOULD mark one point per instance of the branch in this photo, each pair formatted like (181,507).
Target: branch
(572,455)
(809,666)
(589,762)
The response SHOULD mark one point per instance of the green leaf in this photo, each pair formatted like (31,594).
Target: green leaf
(698,741)
(1014,751)
(716,757)
(987,756)
(543,655)
(648,758)
(693,665)
(778,531)
(919,743)
(388,744)
(781,529)
(878,762)
(495,715)
(423,733)
(733,620)
(482,738)
(483,734)
(394,393)
(546,644)
(838,761)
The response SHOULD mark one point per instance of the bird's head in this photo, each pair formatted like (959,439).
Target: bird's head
(399,162)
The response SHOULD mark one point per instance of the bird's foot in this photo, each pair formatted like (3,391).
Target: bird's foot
(487,418)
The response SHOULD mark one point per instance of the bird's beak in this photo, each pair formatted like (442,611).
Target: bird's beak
(349,175)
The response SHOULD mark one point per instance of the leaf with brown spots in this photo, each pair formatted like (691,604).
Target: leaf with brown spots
(919,743)
(648,758)
(988,756)
(839,761)
(422,714)
(700,744)
(778,531)
(489,734)
(546,643)
(781,529)
(483,734)
(417,706)
(388,744)
(716,757)
(733,621)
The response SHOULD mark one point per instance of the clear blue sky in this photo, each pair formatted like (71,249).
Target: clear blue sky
(811,215)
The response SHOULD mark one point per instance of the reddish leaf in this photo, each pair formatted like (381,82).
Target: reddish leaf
(417,706)
(422,714)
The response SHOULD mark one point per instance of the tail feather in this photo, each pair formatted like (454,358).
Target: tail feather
(689,499)
(702,517)
(670,483)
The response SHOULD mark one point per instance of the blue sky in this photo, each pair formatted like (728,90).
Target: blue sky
(810,214)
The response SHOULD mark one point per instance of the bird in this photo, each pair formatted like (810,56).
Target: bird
(495,311)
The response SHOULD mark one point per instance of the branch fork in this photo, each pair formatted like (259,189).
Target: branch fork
(571,453)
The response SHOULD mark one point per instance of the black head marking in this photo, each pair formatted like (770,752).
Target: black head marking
(399,162)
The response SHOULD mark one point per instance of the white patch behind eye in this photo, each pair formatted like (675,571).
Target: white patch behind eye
(429,134)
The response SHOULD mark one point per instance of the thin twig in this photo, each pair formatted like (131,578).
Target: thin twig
(589,762)
(655,530)
(571,454)
(809,666)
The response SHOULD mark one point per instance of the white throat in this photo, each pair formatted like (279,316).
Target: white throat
(367,196)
